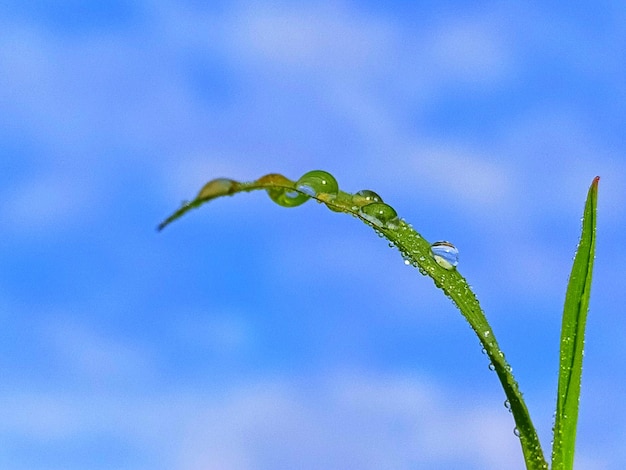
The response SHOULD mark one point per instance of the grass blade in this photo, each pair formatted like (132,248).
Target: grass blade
(573,338)
(368,207)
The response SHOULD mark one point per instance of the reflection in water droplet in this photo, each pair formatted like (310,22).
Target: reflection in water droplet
(216,187)
(445,253)
(365,196)
(287,197)
(379,214)
(316,182)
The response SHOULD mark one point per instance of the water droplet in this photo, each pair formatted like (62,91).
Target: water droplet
(217,187)
(287,197)
(365,196)
(445,253)
(492,366)
(407,262)
(507,405)
(316,182)
(516,431)
(486,333)
(379,214)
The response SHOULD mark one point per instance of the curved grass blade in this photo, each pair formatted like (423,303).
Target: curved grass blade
(573,338)
(368,206)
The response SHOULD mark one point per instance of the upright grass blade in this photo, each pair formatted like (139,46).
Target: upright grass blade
(368,206)
(573,339)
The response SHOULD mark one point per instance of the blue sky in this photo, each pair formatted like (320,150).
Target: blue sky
(249,336)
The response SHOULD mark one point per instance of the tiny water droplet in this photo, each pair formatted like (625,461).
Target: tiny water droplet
(507,405)
(445,254)
(379,214)
(365,196)
(492,366)
(407,262)
(516,431)
(486,333)
(317,182)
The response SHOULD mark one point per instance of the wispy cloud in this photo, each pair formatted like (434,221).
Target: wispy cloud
(338,421)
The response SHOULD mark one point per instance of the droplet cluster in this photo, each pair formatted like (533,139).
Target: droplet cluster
(323,186)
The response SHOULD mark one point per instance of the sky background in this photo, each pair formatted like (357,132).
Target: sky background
(248,336)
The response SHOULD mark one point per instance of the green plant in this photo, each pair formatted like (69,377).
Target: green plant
(438,261)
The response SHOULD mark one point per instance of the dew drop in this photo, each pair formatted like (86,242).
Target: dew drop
(507,405)
(379,214)
(365,196)
(407,262)
(492,366)
(445,254)
(217,187)
(317,182)
(517,432)
(287,197)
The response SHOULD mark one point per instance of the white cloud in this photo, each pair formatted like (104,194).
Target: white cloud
(340,421)
(319,38)
(471,50)
(468,177)
(93,355)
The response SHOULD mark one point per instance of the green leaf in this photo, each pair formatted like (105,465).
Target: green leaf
(370,208)
(573,339)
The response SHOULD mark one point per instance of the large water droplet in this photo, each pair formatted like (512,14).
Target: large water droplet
(379,213)
(287,197)
(316,182)
(217,187)
(365,196)
(445,253)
